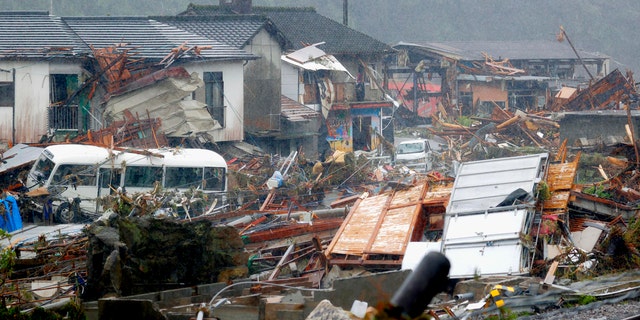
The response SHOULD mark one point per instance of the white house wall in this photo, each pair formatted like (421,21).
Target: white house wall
(232,76)
(292,88)
(31,102)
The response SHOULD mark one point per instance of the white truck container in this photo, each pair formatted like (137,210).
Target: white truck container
(415,154)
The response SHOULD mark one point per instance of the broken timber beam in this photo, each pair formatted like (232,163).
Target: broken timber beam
(285,257)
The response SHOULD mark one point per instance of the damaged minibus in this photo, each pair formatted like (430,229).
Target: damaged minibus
(81,174)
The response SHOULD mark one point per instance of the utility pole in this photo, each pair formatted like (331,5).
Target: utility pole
(563,36)
(345,12)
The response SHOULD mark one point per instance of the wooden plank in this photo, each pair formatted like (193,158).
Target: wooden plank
(345,223)
(551,274)
(381,217)
(357,230)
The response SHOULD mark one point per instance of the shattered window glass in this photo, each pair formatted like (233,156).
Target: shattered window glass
(182,178)
(42,169)
(75,174)
(110,178)
(214,179)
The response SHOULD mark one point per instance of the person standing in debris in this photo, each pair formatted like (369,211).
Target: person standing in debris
(360,84)
(10,219)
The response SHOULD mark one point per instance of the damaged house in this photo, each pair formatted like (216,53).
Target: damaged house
(79,74)
(475,76)
(266,111)
(605,113)
(345,94)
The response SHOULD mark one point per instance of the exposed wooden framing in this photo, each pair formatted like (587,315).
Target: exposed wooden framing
(378,229)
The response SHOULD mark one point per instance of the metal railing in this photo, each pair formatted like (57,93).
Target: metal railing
(65,117)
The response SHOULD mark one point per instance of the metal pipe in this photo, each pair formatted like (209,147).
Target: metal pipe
(13,123)
(429,278)
(463,296)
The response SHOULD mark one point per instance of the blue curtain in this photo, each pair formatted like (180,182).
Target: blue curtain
(10,220)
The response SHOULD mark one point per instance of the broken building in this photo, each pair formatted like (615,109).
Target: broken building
(55,82)
(476,75)
(355,99)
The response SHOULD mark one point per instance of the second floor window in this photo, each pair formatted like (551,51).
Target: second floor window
(214,95)
(7,95)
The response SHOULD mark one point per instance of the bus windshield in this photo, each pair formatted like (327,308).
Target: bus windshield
(76,174)
(42,169)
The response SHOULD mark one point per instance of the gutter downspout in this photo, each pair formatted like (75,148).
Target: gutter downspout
(13,108)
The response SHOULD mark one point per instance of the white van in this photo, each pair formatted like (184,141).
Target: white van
(84,173)
(415,154)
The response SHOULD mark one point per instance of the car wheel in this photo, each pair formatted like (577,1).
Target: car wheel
(65,214)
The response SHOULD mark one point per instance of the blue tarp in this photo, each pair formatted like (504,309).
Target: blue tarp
(10,219)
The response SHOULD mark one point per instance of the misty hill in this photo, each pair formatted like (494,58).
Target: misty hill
(606,27)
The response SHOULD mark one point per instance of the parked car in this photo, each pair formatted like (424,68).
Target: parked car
(415,154)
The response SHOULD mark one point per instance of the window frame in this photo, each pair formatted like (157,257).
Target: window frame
(214,95)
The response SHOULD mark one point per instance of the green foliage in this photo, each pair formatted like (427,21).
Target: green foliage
(583,300)
(465,121)
(632,235)
(598,191)
(543,191)
(505,314)
(70,311)
(7,258)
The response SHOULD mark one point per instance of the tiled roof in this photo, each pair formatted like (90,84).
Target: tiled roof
(295,111)
(147,38)
(233,30)
(512,50)
(304,26)
(36,35)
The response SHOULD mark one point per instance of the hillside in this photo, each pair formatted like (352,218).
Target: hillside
(607,27)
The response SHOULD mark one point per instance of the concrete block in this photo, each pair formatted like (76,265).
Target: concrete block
(174,294)
(372,288)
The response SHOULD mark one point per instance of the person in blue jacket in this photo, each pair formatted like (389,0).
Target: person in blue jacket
(10,219)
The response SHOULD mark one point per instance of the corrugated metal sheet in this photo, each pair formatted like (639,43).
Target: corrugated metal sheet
(488,244)
(481,238)
(20,155)
(484,184)
(161,96)
(512,50)
(294,111)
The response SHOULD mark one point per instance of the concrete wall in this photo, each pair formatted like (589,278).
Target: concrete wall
(592,127)
(262,80)
(373,289)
